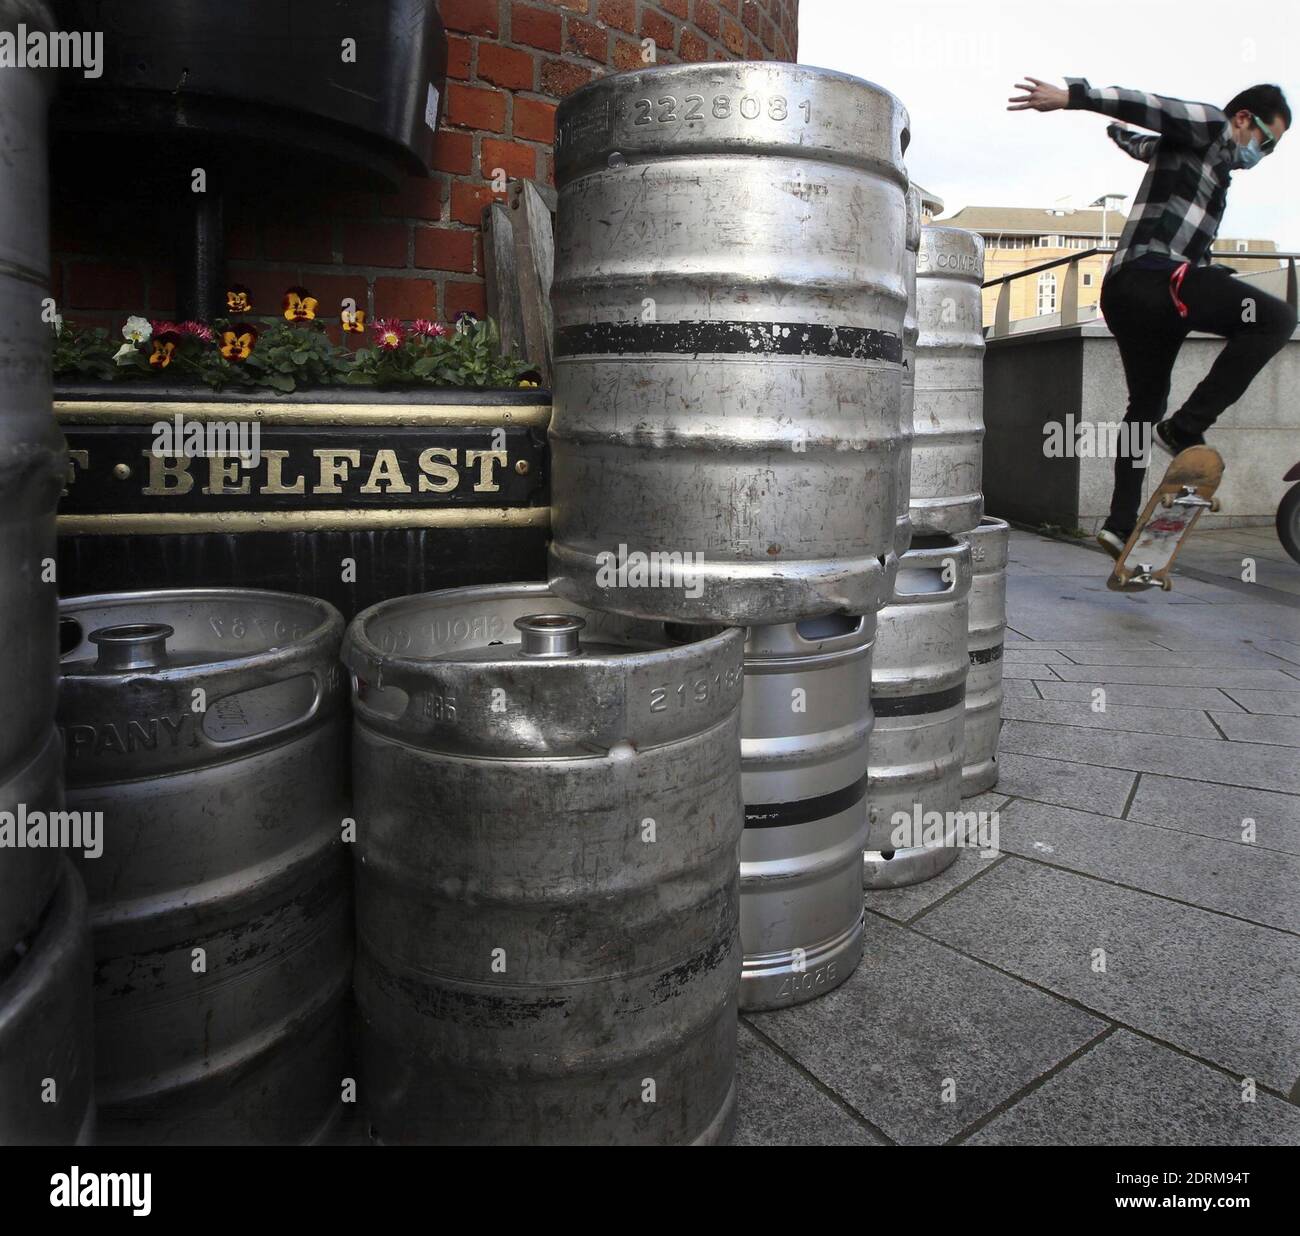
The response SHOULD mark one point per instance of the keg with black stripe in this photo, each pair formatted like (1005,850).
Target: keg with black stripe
(209,729)
(33,465)
(806,717)
(46,1043)
(729,299)
(948,409)
(903,536)
(918,688)
(986,632)
(549,812)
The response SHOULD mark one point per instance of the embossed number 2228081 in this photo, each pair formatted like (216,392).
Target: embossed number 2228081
(749,106)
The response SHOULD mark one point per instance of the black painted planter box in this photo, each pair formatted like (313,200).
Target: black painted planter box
(351,494)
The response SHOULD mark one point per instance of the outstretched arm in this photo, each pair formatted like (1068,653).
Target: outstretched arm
(1140,145)
(1187,124)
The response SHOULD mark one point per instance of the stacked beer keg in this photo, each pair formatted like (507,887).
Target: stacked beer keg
(45,1048)
(937,685)
(579,847)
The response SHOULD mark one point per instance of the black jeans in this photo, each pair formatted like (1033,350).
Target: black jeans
(1149,330)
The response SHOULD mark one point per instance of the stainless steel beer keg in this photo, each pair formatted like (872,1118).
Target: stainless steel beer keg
(729,299)
(46,1048)
(28,873)
(987,629)
(948,411)
(903,535)
(209,728)
(806,716)
(918,686)
(548,808)
(32,469)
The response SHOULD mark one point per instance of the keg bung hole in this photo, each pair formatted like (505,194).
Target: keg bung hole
(615,161)
(549,635)
(887,854)
(131,646)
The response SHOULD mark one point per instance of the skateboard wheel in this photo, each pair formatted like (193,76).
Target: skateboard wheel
(1167,501)
(1166,585)
(1214,506)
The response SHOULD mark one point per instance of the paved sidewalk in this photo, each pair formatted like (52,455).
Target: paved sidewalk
(1127,968)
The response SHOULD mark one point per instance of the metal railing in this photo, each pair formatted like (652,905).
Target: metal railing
(1069,298)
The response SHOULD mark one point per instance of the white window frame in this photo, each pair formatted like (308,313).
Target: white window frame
(1047,285)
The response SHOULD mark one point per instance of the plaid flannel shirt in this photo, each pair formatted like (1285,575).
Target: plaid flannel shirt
(1181,202)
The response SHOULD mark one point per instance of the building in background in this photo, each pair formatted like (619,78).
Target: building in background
(1019,238)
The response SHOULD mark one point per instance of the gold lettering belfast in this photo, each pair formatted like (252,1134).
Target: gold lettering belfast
(436,470)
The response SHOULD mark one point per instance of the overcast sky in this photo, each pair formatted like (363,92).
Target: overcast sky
(954,63)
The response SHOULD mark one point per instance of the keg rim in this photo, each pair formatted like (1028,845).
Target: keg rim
(359,646)
(328,626)
(55,942)
(625,80)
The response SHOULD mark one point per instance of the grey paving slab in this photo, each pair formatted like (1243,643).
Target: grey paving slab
(1219,811)
(1034,655)
(1198,759)
(1060,781)
(1129,1091)
(1228,876)
(1188,698)
(1287,650)
(1018,689)
(1133,717)
(1070,645)
(778,1105)
(916,1020)
(1021,669)
(1270,703)
(902,904)
(1175,676)
(1243,657)
(1214,986)
(1280,731)
(1040,610)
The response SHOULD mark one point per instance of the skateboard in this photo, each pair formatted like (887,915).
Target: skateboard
(1170,514)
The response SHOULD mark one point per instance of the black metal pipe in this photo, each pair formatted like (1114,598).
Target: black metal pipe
(201,266)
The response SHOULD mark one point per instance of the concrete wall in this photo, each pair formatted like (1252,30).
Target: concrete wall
(1031,380)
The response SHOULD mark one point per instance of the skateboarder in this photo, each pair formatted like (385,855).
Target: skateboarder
(1161,284)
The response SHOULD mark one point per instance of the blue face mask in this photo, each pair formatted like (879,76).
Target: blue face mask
(1249,154)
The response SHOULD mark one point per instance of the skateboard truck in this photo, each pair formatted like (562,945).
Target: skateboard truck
(1189,497)
(1141,578)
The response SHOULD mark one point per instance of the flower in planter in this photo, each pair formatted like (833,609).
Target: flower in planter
(464,320)
(197,330)
(137,330)
(239,299)
(299,305)
(429,330)
(163,327)
(164,345)
(237,343)
(353,319)
(389,334)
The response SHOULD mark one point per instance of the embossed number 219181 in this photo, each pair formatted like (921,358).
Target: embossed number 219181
(750,106)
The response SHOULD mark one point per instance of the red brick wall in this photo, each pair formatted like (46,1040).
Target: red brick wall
(418,252)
